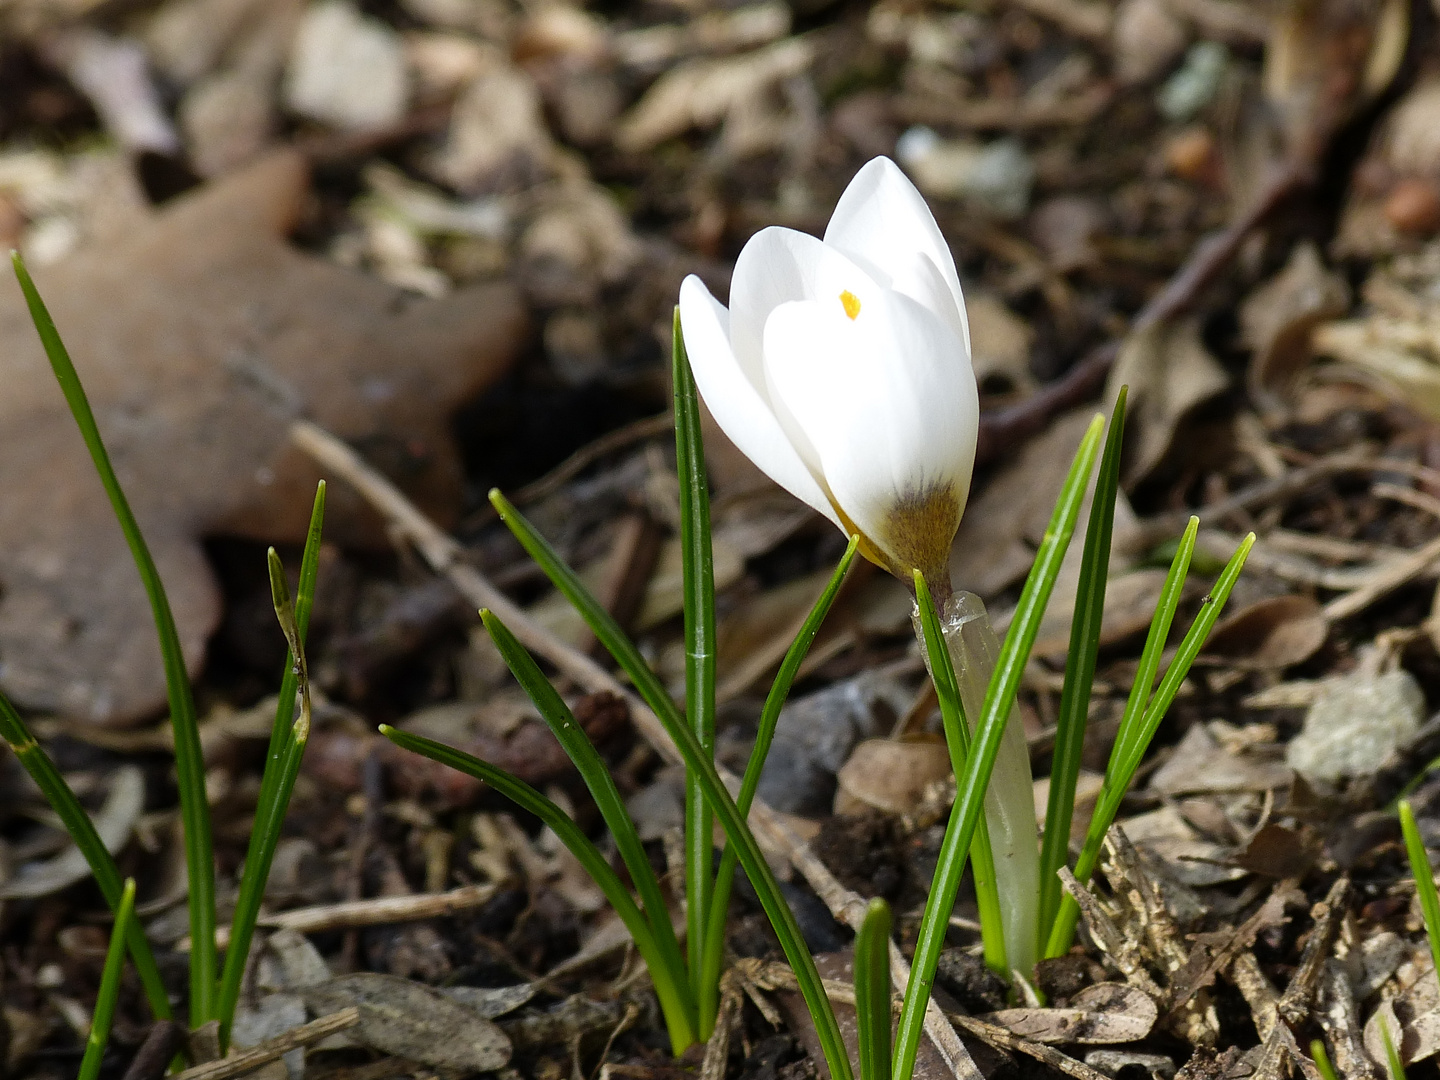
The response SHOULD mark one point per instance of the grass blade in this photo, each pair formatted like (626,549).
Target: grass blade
(698,564)
(1424,875)
(82,831)
(1322,1060)
(738,835)
(288,739)
(670,985)
(1138,728)
(957,739)
(1393,1065)
(601,623)
(189,762)
(593,771)
(105,1000)
(709,982)
(1080,670)
(872,991)
(970,794)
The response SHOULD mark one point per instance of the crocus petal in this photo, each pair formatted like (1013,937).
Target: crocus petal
(881,220)
(891,419)
(737,406)
(777,266)
(920,279)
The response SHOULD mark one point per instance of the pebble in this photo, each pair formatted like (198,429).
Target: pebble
(1194,86)
(1355,724)
(1413,206)
(346,70)
(815,735)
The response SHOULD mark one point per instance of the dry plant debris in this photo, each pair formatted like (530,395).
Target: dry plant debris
(1233,208)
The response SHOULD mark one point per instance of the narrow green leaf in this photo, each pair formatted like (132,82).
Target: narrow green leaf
(872,991)
(109,985)
(1138,728)
(1424,875)
(1080,669)
(970,794)
(957,739)
(1322,1060)
(698,564)
(737,833)
(189,761)
(592,769)
(670,986)
(601,623)
(1393,1065)
(709,996)
(82,831)
(288,739)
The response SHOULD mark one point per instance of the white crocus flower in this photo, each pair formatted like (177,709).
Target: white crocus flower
(842,369)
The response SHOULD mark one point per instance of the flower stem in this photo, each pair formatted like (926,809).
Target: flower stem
(1010,800)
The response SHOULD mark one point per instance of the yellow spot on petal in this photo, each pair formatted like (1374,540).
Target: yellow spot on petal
(851,303)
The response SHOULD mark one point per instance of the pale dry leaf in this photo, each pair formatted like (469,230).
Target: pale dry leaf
(1170,372)
(115,822)
(1270,634)
(414,1021)
(1277,320)
(1099,1014)
(891,775)
(1201,764)
(701,93)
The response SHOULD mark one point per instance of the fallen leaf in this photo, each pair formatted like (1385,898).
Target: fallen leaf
(1202,764)
(1169,372)
(114,822)
(890,774)
(1103,1013)
(1270,634)
(410,1020)
(213,335)
(1277,320)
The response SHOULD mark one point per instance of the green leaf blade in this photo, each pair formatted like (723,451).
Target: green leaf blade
(189,760)
(872,991)
(671,991)
(288,739)
(999,701)
(1080,661)
(601,784)
(109,991)
(698,564)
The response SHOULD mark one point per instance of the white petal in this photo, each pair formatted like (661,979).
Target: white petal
(743,415)
(921,280)
(887,400)
(775,267)
(881,220)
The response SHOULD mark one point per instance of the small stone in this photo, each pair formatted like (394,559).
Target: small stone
(1192,155)
(1148,38)
(346,70)
(1413,206)
(974,985)
(1355,724)
(1194,86)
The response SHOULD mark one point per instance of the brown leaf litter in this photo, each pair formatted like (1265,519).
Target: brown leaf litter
(199,336)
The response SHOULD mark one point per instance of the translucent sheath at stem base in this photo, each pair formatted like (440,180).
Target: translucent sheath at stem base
(1010,800)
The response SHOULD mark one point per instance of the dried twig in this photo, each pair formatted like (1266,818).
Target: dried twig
(377,912)
(1294,1005)
(445,556)
(278,1047)
(1108,937)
